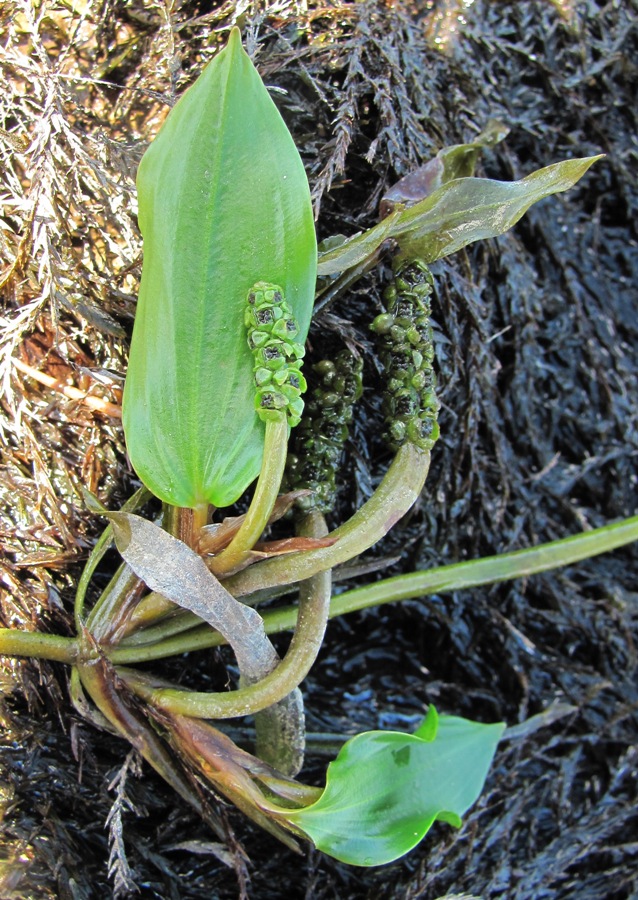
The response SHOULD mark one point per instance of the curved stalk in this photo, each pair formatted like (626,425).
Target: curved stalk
(263,502)
(400,488)
(280,733)
(314,600)
(102,545)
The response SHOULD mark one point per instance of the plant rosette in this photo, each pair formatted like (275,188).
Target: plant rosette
(214,387)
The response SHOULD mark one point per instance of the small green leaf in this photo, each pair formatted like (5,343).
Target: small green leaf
(385,789)
(223,203)
(457,214)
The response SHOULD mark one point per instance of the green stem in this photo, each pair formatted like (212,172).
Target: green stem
(263,502)
(38,646)
(102,545)
(181,619)
(280,732)
(84,708)
(148,616)
(490,570)
(109,614)
(314,601)
(171,625)
(395,495)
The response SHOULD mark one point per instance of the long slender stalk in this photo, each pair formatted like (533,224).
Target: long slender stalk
(182,620)
(490,570)
(263,502)
(395,495)
(280,730)
(102,545)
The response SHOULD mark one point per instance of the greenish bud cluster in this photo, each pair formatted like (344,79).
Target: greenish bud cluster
(272,330)
(324,430)
(407,353)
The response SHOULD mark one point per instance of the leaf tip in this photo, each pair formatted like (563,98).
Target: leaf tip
(234,37)
(121,530)
(429,726)
(93,504)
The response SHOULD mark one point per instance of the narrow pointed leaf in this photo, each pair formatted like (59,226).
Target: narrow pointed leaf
(385,789)
(223,203)
(460,212)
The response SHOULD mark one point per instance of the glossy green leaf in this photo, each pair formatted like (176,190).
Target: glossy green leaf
(460,212)
(385,789)
(223,203)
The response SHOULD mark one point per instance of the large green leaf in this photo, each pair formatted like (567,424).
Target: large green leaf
(460,212)
(385,789)
(223,203)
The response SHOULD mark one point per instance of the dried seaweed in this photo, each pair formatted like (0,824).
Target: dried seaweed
(119,869)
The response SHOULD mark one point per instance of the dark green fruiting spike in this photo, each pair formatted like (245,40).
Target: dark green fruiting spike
(323,431)
(407,352)
(272,330)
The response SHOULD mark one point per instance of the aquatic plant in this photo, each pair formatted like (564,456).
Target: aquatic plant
(214,387)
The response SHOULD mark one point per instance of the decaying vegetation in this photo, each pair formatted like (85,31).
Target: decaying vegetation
(536,338)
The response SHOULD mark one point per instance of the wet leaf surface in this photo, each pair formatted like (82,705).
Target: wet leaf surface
(386,789)
(169,567)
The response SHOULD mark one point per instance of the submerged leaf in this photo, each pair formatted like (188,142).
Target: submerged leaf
(223,203)
(457,214)
(385,789)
